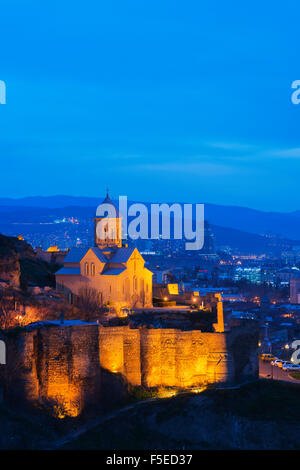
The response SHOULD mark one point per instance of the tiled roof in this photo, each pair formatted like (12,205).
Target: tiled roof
(113,271)
(69,271)
(99,254)
(75,255)
(122,255)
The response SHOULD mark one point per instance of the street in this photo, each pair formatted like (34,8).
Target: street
(267,371)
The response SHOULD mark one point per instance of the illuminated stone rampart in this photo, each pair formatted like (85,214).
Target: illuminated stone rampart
(63,365)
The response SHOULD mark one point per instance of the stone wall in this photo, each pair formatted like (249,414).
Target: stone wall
(63,365)
(171,357)
(54,365)
(68,367)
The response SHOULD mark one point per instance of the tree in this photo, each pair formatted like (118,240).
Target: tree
(7,310)
(90,302)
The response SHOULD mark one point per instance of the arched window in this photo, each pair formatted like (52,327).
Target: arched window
(93,269)
(135,284)
(87,269)
(112,231)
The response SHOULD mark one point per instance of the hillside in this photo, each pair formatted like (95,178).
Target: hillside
(19,266)
(240,218)
(245,242)
(214,419)
(34,222)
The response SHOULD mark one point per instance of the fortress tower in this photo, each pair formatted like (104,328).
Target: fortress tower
(219,326)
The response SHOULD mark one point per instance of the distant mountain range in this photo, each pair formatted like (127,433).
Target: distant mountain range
(53,202)
(286,225)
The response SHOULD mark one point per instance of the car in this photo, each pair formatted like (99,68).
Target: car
(276,362)
(290,367)
(267,357)
(284,364)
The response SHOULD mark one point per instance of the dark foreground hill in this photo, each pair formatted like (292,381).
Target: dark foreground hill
(262,415)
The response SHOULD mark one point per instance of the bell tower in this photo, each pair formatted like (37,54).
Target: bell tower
(108,230)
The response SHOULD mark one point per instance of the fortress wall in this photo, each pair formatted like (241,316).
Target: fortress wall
(111,352)
(67,363)
(55,371)
(119,351)
(63,365)
(85,351)
(21,352)
(85,369)
(199,354)
(132,356)
(19,375)
(192,349)
(184,359)
(168,357)
(220,366)
(150,342)
(242,345)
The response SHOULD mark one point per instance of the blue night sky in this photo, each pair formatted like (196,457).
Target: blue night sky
(162,100)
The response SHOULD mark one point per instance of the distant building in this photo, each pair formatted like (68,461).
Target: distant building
(251,274)
(160,276)
(243,315)
(225,273)
(286,274)
(269,276)
(233,298)
(295,290)
(209,243)
(173,289)
(52,255)
(53,249)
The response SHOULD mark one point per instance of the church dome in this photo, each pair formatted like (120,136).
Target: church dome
(108,200)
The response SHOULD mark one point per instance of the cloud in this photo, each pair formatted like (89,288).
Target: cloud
(249,152)
(201,168)
(231,146)
(286,153)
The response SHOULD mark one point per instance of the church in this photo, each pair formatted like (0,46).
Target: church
(114,271)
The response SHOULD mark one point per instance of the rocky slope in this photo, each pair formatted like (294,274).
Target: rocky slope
(19,266)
